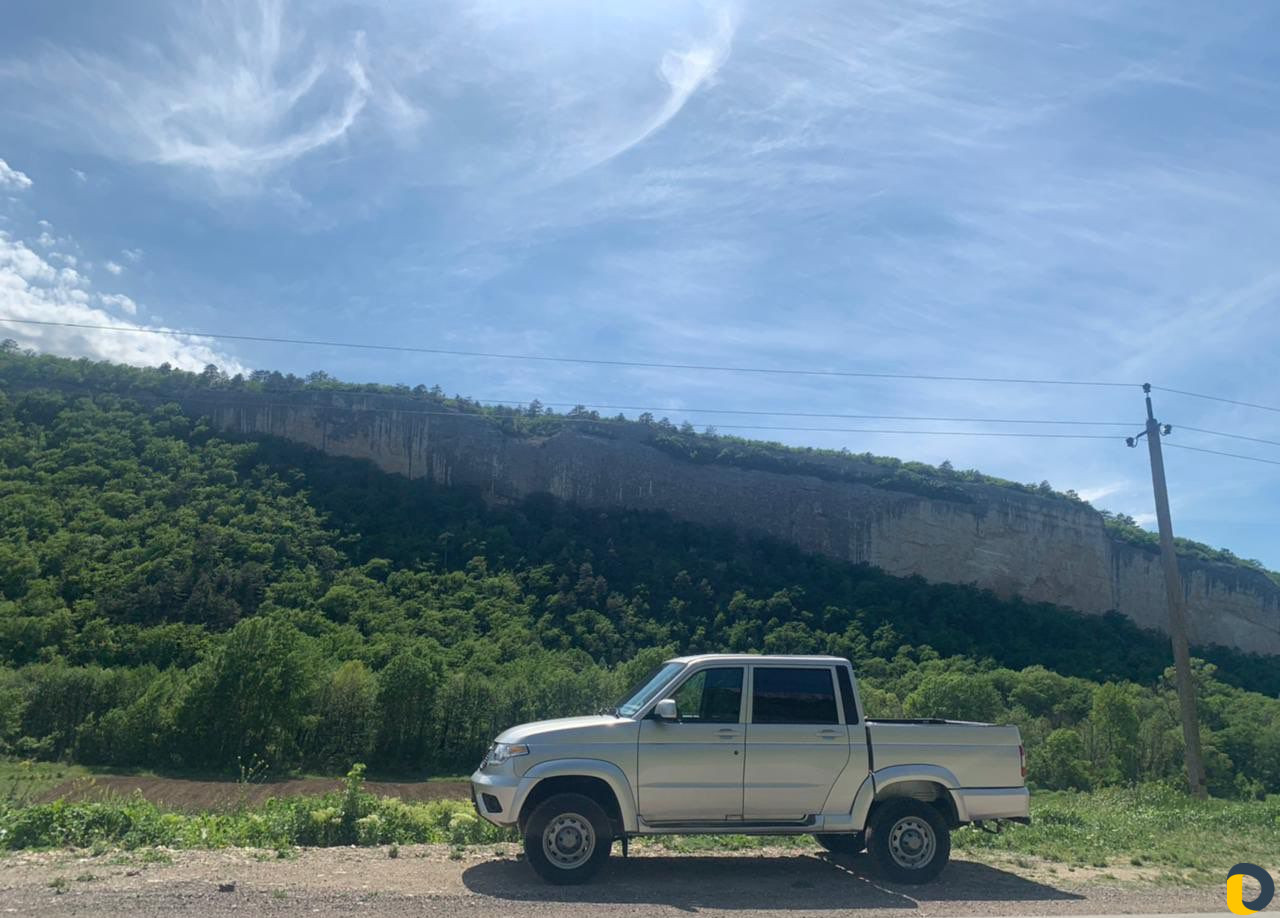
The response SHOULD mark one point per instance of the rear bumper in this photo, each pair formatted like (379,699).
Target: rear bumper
(974,804)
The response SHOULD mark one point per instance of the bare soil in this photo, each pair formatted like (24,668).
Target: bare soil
(184,794)
(493,882)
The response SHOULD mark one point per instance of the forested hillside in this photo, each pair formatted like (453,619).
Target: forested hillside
(173,599)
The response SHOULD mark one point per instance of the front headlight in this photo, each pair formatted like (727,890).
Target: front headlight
(500,752)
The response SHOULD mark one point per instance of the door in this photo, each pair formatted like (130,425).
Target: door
(796,744)
(690,770)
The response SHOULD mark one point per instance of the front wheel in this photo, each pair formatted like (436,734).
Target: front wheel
(567,839)
(909,841)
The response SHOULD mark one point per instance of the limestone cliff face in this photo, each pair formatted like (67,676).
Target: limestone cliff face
(1003,540)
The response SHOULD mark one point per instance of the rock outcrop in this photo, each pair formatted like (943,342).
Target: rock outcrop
(1008,541)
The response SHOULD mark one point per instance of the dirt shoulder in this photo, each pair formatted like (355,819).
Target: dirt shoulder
(492,881)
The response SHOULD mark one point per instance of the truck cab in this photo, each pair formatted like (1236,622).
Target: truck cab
(749,744)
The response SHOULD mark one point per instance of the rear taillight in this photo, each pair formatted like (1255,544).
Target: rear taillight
(1022,759)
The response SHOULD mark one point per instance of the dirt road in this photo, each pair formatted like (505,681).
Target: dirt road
(493,883)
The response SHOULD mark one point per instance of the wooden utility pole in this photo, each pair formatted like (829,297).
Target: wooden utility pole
(1177,605)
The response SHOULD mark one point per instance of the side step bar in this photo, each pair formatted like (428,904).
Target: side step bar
(730,827)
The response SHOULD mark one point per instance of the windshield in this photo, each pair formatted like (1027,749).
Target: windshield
(645,692)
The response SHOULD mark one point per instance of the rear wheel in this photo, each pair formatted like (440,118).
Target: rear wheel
(841,843)
(909,841)
(567,838)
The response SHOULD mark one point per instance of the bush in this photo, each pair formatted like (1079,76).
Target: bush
(350,817)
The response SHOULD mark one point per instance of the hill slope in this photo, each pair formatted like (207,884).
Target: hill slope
(177,599)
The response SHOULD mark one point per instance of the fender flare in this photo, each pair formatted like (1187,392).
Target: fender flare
(878,781)
(608,772)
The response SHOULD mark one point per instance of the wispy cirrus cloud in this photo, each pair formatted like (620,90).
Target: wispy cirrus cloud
(234,90)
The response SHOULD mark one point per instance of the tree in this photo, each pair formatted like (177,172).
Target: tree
(1060,762)
(251,698)
(1114,720)
(407,690)
(348,718)
(958,696)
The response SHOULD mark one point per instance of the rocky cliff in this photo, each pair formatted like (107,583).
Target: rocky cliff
(1010,542)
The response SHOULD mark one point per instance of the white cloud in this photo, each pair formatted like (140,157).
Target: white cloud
(120,301)
(1100,491)
(12,179)
(113,267)
(134,255)
(80,175)
(236,91)
(32,288)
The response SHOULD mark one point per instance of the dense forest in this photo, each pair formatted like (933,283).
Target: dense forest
(174,599)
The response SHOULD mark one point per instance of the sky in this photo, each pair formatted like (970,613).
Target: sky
(1014,189)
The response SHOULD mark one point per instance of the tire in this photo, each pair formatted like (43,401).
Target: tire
(909,841)
(567,839)
(843,844)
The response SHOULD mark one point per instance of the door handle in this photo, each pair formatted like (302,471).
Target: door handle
(727,733)
(829,734)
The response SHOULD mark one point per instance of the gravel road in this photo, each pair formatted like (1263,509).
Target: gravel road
(494,883)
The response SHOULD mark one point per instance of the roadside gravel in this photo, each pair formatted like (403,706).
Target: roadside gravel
(491,882)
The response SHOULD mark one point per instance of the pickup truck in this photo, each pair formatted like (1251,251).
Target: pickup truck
(749,744)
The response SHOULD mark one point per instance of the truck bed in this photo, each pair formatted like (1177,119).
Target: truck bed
(978,755)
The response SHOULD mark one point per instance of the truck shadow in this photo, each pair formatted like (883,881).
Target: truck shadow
(801,881)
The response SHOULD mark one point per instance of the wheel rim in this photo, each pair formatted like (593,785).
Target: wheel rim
(568,841)
(912,843)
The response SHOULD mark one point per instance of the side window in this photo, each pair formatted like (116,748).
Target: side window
(846,695)
(793,696)
(711,696)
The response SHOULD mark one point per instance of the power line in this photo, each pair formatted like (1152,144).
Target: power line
(1218,398)
(811,414)
(572,420)
(1234,436)
(637,364)
(676,409)
(1215,452)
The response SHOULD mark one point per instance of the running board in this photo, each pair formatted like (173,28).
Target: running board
(730,826)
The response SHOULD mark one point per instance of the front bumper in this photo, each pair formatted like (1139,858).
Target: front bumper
(494,796)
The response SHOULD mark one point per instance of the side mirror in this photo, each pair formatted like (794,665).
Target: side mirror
(666,710)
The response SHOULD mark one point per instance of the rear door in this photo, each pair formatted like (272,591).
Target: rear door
(691,770)
(796,743)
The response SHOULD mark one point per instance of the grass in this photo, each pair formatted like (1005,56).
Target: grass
(1151,826)
(21,781)
(1153,829)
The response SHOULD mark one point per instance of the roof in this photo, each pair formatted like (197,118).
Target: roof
(758,658)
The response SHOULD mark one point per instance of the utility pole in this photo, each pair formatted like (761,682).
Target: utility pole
(1177,604)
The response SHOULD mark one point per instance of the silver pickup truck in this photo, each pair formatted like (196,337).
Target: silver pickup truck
(770,745)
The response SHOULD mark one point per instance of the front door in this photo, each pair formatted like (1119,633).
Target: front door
(690,770)
(796,744)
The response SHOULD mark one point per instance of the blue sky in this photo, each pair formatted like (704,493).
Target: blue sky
(961,188)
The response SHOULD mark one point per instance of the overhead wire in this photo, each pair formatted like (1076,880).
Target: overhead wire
(730,411)
(592,361)
(1216,452)
(1218,398)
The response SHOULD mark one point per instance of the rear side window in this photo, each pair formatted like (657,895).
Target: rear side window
(783,695)
(846,695)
